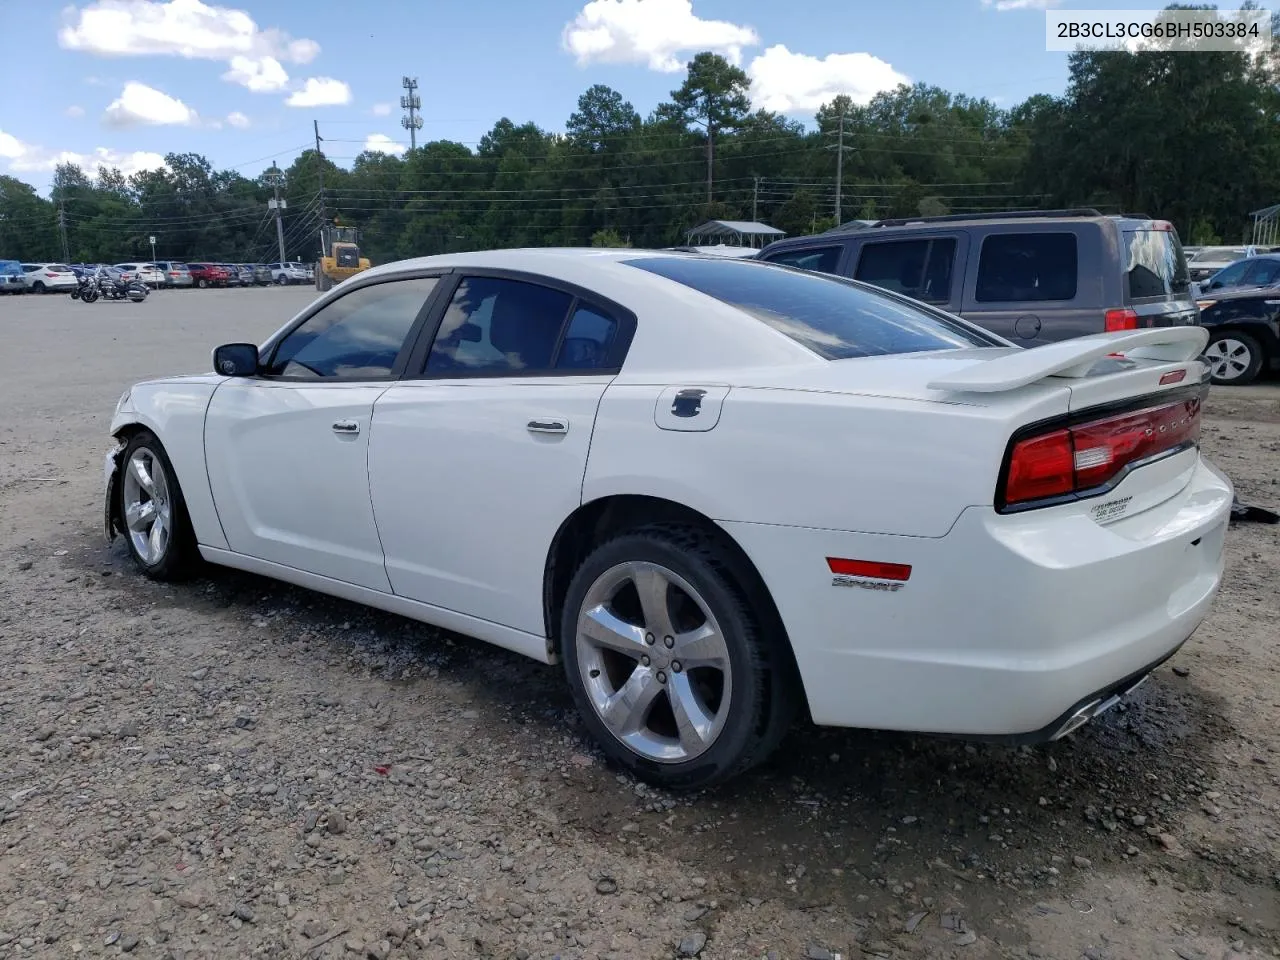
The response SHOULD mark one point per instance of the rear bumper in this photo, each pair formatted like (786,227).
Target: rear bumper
(1008,625)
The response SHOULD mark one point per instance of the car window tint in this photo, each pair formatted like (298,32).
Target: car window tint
(587,342)
(1230,276)
(357,335)
(916,268)
(1023,267)
(1266,273)
(495,326)
(822,259)
(834,318)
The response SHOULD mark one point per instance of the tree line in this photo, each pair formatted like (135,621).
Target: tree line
(1193,138)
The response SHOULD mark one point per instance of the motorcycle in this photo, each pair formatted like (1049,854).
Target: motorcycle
(112,287)
(86,289)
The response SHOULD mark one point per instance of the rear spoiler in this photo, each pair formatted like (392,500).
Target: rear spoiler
(1075,358)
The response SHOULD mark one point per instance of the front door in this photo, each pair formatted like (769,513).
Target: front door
(475,463)
(287,450)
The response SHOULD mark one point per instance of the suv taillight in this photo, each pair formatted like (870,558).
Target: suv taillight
(1121,320)
(1085,459)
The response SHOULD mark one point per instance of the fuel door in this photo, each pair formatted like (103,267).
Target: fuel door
(693,408)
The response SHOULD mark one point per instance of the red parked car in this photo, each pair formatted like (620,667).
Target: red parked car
(209,274)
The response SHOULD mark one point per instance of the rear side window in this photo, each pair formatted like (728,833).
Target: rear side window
(1025,267)
(915,268)
(496,326)
(822,259)
(1266,273)
(834,318)
(1155,264)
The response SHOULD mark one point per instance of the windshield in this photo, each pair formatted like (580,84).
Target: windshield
(836,319)
(1156,265)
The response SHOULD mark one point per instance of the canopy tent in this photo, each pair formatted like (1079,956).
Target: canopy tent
(1266,226)
(742,233)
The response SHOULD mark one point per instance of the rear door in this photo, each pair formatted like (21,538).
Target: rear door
(476,461)
(1035,286)
(1157,284)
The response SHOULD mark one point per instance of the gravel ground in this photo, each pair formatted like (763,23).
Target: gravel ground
(236,768)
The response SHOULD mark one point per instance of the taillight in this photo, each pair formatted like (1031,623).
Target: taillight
(1121,320)
(1085,459)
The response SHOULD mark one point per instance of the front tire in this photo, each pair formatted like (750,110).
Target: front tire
(153,513)
(1235,358)
(671,665)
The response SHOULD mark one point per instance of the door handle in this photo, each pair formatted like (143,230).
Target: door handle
(548,426)
(346,426)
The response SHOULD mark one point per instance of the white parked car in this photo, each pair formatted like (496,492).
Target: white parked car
(283,273)
(50,277)
(148,273)
(717,491)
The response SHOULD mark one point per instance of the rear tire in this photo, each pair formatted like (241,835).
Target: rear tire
(38,287)
(1235,358)
(150,497)
(673,669)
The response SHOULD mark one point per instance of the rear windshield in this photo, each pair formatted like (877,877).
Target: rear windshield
(835,318)
(9,268)
(1155,264)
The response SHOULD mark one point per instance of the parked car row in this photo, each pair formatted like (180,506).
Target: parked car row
(1037,277)
(20,277)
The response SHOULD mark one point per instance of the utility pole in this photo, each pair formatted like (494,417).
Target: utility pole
(413,103)
(277,204)
(839,148)
(711,150)
(320,159)
(62,230)
(755,197)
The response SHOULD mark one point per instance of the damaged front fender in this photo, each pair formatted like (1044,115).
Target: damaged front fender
(111,477)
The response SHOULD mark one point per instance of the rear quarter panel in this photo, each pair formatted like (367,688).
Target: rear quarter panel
(174,410)
(807,458)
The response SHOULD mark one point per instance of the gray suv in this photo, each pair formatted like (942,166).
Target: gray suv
(1032,277)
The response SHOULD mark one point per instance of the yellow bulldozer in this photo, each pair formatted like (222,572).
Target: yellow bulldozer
(339,255)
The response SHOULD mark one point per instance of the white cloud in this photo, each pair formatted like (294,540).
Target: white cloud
(127,163)
(658,33)
(381,109)
(238,120)
(381,143)
(181,28)
(1004,5)
(11,148)
(74,111)
(139,104)
(786,82)
(320,92)
(263,75)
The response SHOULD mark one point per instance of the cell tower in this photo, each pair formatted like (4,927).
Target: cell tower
(413,103)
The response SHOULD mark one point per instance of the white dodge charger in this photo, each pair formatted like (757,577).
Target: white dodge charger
(718,492)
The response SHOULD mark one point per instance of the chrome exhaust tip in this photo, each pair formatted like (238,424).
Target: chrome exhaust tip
(1077,720)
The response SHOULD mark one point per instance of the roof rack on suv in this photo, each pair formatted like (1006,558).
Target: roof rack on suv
(995,215)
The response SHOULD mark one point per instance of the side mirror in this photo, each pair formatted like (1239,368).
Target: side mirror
(236,359)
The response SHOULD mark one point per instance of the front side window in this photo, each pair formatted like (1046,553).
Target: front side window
(1265,273)
(495,326)
(1027,267)
(914,268)
(821,259)
(1230,276)
(359,335)
(832,317)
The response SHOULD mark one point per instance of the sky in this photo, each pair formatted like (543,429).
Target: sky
(122,82)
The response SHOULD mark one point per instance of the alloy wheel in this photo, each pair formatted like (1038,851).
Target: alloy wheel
(1228,358)
(654,662)
(148,509)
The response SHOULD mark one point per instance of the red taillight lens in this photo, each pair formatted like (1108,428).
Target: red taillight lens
(1121,320)
(1078,459)
(1040,467)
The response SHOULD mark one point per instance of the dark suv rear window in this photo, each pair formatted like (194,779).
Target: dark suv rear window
(1027,267)
(835,318)
(1155,265)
